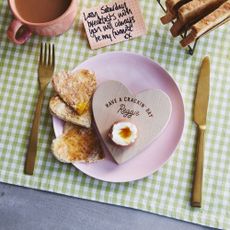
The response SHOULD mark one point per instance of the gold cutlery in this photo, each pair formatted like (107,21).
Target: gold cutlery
(45,71)
(199,117)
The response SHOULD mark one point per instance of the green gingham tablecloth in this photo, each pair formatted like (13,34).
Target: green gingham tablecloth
(166,192)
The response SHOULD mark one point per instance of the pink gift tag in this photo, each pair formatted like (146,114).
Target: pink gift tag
(113,22)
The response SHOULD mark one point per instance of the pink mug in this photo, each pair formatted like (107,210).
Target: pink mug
(20,30)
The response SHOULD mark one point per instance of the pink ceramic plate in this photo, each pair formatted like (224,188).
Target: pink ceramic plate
(137,73)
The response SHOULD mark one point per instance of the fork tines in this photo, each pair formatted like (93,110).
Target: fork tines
(47,54)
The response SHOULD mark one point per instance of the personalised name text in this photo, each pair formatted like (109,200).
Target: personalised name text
(129,112)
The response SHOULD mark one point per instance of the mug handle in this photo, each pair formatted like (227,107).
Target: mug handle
(18,32)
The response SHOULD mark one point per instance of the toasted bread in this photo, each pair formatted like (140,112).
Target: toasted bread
(77,144)
(75,89)
(171,12)
(215,18)
(191,13)
(60,109)
(172,7)
(197,8)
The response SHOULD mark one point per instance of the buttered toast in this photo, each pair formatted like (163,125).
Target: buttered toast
(77,144)
(75,89)
(60,109)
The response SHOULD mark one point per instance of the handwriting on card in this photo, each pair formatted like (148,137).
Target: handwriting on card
(114,22)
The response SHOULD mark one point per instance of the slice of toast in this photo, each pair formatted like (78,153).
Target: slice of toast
(77,144)
(171,12)
(75,89)
(60,109)
(215,18)
(192,12)
(197,8)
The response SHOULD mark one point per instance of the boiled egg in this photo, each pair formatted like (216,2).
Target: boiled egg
(123,133)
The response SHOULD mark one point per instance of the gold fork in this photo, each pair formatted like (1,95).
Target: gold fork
(45,72)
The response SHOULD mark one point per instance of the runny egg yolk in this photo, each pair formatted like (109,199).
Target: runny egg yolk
(81,107)
(125,132)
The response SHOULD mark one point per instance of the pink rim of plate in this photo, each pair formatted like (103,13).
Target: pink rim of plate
(137,73)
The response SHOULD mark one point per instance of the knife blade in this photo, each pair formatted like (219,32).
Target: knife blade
(199,117)
(202,94)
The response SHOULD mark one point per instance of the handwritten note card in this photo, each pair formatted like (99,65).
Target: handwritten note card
(113,22)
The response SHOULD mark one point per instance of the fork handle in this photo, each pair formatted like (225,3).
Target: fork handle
(198,174)
(32,147)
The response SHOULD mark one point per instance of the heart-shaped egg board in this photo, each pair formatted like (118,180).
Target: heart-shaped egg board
(149,110)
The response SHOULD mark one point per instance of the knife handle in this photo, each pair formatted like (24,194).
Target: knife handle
(198,174)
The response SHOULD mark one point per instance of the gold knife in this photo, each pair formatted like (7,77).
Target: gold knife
(199,117)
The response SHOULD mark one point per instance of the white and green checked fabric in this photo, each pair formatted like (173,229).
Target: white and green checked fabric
(166,192)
